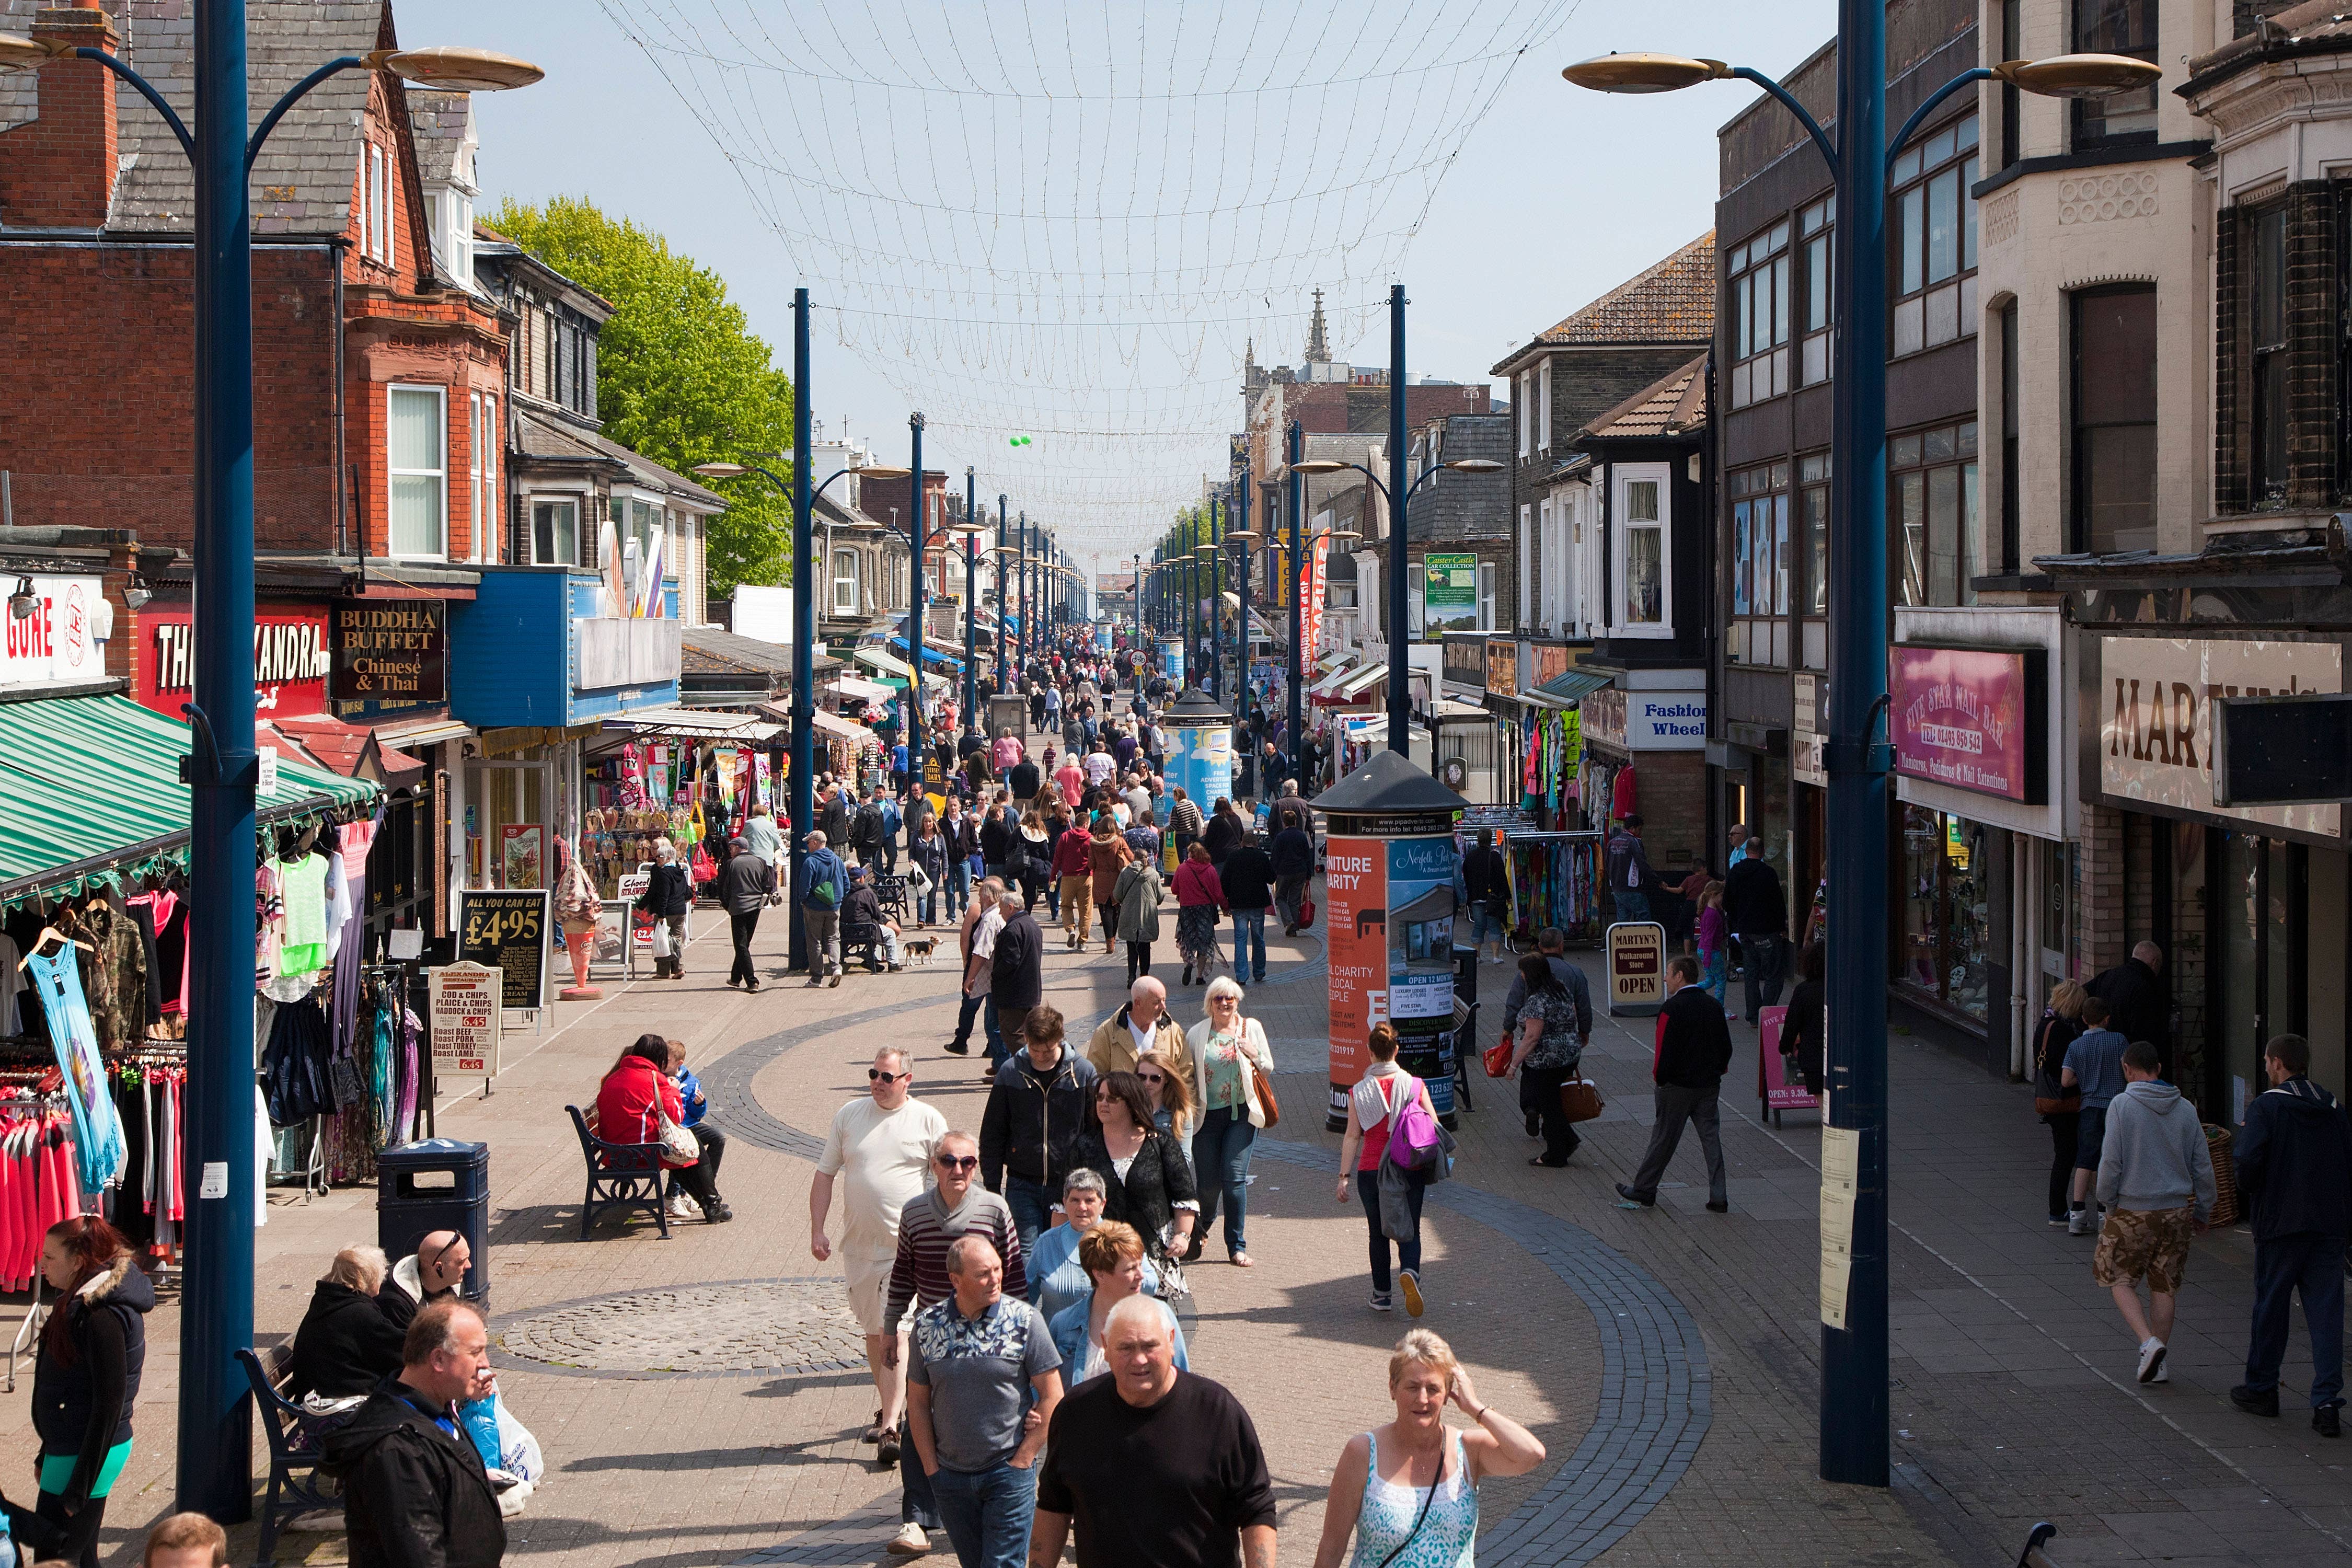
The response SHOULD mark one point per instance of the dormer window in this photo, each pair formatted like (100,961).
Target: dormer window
(457,236)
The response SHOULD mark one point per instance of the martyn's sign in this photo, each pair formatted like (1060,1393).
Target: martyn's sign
(289,659)
(1971,719)
(392,653)
(2156,699)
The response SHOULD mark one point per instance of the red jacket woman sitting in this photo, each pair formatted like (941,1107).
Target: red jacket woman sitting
(626,1113)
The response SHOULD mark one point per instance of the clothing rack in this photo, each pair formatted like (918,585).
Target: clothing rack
(28,1331)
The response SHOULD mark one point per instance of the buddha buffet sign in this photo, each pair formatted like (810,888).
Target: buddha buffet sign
(1971,718)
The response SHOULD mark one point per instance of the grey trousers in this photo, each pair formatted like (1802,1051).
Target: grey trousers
(1702,1108)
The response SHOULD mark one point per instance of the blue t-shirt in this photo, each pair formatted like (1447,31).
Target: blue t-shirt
(899,758)
(2096,1061)
(689,1095)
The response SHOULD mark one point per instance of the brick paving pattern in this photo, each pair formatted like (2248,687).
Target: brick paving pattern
(779,1328)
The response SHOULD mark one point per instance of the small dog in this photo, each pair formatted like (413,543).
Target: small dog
(917,949)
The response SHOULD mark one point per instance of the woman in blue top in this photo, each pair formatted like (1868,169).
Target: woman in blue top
(1056,1278)
(1409,1490)
(1112,1256)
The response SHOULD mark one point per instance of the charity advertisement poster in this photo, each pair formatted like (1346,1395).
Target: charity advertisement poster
(1421,910)
(1356,875)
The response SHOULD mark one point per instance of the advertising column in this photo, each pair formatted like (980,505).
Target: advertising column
(1201,748)
(1389,872)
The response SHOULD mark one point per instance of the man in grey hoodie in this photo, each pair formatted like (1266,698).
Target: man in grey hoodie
(2156,1179)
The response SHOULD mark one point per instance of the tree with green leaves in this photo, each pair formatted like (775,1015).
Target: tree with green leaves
(680,377)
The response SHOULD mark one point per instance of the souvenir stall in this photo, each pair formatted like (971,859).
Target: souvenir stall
(1555,880)
(690,775)
(1550,764)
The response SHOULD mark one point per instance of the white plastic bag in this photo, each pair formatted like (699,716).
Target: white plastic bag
(661,938)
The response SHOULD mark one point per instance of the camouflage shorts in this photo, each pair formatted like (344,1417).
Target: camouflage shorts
(2150,1243)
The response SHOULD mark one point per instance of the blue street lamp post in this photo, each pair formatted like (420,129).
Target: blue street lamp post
(214,1473)
(1295,498)
(1854,1396)
(971,600)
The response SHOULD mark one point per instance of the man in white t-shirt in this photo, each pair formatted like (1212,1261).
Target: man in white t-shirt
(1099,765)
(881,1146)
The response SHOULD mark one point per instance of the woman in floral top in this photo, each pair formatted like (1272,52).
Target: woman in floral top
(1224,1045)
(1548,1050)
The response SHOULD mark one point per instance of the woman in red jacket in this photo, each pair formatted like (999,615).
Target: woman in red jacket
(1200,906)
(626,1113)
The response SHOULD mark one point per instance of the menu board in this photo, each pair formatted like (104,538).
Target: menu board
(507,929)
(463,1009)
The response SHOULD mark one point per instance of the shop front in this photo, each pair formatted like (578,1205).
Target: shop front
(1644,754)
(1977,715)
(388,674)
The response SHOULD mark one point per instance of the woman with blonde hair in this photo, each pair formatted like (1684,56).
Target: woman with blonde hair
(1226,1047)
(1408,1491)
(1112,1255)
(1170,1089)
(2060,1103)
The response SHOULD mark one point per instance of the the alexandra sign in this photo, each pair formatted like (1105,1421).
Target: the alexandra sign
(2156,727)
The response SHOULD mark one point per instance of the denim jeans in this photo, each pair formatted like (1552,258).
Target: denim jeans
(917,1503)
(958,889)
(2311,1266)
(1407,1252)
(1633,906)
(1249,926)
(1485,921)
(1221,1162)
(983,1007)
(1762,981)
(1033,1209)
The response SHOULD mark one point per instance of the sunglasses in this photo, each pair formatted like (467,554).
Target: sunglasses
(958,1162)
(1152,1077)
(875,1075)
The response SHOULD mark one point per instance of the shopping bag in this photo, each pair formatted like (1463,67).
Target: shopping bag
(1498,1058)
(1579,1099)
(1306,913)
(661,939)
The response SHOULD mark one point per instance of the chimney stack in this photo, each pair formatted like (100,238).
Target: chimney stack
(58,169)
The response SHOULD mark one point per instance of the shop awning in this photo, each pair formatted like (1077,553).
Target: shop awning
(1570,685)
(932,655)
(1357,680)
(870,690)
(875,659)
(847,727)
(92,782)
(712,724)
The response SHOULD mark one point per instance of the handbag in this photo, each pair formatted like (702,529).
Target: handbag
(1306,913)
(661,938)
(677,1143)
(1579,1099)
(1270,1113)
(2061,1105)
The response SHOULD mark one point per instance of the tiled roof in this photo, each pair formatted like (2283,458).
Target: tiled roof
(650,474)
(302,183)
(1672,405)
(1672,302)
(2315,27)
(439,121)
(549,440)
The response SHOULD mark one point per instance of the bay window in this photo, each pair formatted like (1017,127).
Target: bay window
(845,582)
(417,470)
(2266,286)
(2115,27)
(1642,565)
(555,532)
(2115,418)
(1933,220)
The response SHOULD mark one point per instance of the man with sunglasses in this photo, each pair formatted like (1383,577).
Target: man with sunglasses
(432,1273)
(928,1225)
(880,1147)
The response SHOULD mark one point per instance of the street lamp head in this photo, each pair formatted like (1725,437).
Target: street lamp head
(721,470)
(1473,466)
(1242,536)
(456,70)
(1643,72)
(969,530)
(1317,466)
(1343,535)
(2079,75)
(876,471)
(18,52)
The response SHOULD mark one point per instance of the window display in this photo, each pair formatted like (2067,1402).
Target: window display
(1947,919)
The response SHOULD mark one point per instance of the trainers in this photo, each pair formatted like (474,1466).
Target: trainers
(910,1541)
(2058,1219)
(2327,1422)
(682,1208)
(1380,1304)
(2255,1401)
(2151,1358)
(2081,1222)
(1412,1283)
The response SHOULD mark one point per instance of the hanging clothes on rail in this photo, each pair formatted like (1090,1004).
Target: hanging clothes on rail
(38,1183)
(297,1066)
(97,1135)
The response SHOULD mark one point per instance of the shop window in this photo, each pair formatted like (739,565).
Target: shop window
(1758,310)
(1931,482)
(1814,224)
(2115,27)
(555,533)
(1946,939)
(1642,566)
(1932,222)
(2266,286)
(1760,562)
(2114,419)
(418,470)
(506,825)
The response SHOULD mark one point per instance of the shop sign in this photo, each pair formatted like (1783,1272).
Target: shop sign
(1604,716)
(1465,661)
(1449,601)
(1971,719)
(1637,968)
(2156,717)
(390,653)
(1807,761)
(1645,720)
(507,929)
(289,659)
(1549,659)
(463,1003)
(1780,1080)
(59,641)
(1502,667)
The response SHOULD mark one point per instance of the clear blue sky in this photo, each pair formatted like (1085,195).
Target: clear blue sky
(1554,196)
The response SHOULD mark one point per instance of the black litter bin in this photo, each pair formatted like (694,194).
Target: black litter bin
(439,1184)
(1465,973)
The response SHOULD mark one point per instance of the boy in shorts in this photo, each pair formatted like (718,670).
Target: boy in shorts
(2156,1178)
(2094,1064)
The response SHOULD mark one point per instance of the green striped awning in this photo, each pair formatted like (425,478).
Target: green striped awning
(91,782)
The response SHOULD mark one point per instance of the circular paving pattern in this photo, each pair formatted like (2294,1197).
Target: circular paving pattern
(743,1328)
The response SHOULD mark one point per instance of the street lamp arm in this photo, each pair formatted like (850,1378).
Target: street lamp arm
(293,96)
(171,116)
(1788,100)
(1897,142)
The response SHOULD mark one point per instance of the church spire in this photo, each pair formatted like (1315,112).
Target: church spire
(1318,343)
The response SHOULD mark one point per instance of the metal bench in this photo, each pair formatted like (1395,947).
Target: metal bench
(295,1484)
(620,1175)
(2034,1556)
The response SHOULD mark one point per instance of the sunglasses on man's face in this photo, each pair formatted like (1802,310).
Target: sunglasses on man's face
(958,1162)
(875,1075)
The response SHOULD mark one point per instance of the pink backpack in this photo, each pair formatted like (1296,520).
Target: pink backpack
(1414,1136)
